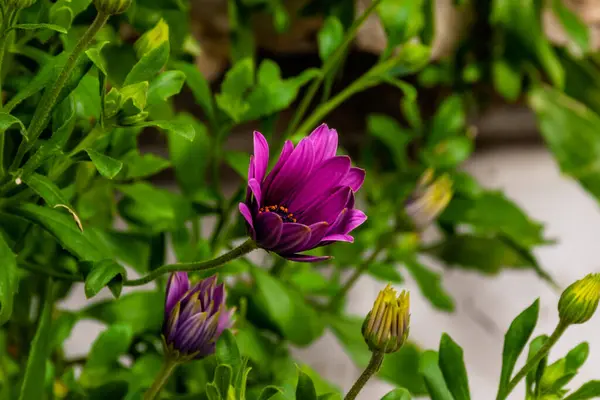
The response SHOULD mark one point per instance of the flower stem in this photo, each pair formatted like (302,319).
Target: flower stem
(48,101)
(542,352)
(360,269)
(237,252)
(328,66)
(372,368)
(163,376)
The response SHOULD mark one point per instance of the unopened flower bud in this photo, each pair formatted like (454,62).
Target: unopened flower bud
(579,301)
(429,199)
(19,4)
(112,7)
(386,327)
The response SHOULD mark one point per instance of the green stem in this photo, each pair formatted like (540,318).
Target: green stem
(360,269)
(328,66)
(163,376)
(533,361)
(372,368)
(44,109)
(239,251)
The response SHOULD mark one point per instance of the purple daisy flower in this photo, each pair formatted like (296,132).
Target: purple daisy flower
(306,201)
(194,318)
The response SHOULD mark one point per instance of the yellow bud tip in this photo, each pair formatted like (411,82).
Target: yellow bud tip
(386,326)
(579,301)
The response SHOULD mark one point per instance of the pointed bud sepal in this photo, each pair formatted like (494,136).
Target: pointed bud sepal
(112,7)
(386,327)
(579,301)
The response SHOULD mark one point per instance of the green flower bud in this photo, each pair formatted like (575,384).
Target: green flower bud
(112,7)
(579,301)
(386,326)
(152,39)
(19,4)
(429,199)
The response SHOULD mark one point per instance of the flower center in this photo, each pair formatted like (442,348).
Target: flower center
(282,211)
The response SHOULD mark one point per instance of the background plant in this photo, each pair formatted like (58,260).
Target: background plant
(79,87)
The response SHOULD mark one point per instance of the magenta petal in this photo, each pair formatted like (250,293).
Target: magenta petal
(325,141)
(317,233)
(268,230)
(286,151)
(305,258)
(354,220)
(293,238)
(320,182)
(354,179)
(338,238)
(261,156)
(251,168)
(329,209)
(255,189)
(177,287)
(293,173)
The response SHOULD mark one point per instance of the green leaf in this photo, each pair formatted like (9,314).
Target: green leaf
(392,135)
(9,284)
(102,273)
(589,390)
(29,27)
(238,80)
(95,55)
(35,373)
(164,86)
(153,50)
(448,121)
(507,79)
(573,25)
(212,391)
(300,323)
(268,392)
(142,311)
(305,389)
(429,283)
(190,160)
(238,161)
(385,272)
(107,166)
(397,394)
(199,86)
(515,340)
(570,130)
(222,381)
(535,374)
(401,20)
(330,37)
(142,166)
(85,245)
(178,127)
(227,352)
(7,120)
(452,365)
(448,153)
(434,380)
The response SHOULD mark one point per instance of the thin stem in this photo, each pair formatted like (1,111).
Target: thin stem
(360,269)
(44,109)
(372,368)
(48,272)
(531,363)
(237,252)
(163,376)
(327,67)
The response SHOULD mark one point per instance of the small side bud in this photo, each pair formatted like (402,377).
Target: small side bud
(19,4)
(579,302)
(112,7)
(385,328)
(430,198)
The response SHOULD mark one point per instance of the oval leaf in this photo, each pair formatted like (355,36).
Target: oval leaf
(305,389)
(102,273)
(107,166)
(434,380)
(181,128)
(514,342)
(397,394)
(453,368)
